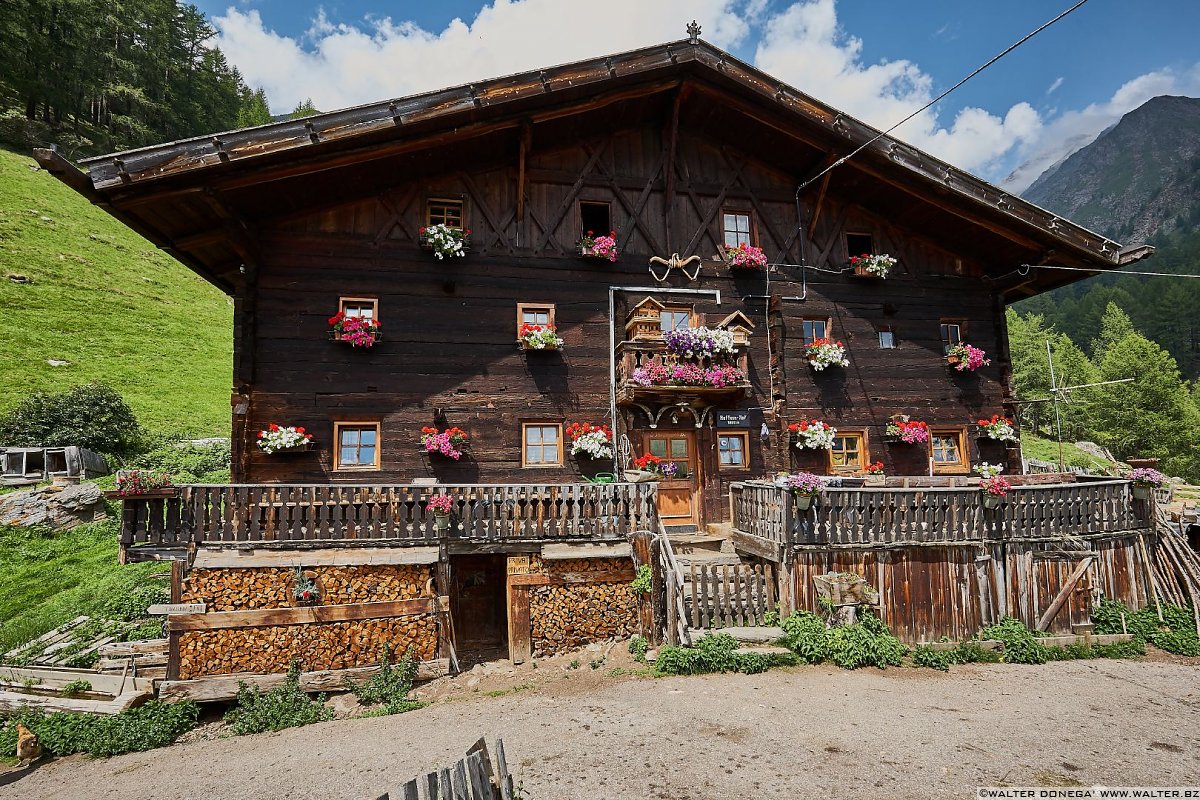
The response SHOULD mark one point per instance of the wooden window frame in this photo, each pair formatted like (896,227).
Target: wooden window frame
(744,436)
(828,321)
(338,426)
(542,423)
(360,301)
(461,201)
(864,456)
(846,242)
(579,216)
(963,465)
(523,307)
(880,330)
(691,312)
(962,331)
(751,222)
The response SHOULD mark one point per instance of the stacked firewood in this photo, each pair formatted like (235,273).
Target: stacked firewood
(1176,568)
(273,587)
(566,616)
(333,645)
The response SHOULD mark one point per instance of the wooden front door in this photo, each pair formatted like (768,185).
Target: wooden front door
(480,605)
(678,503)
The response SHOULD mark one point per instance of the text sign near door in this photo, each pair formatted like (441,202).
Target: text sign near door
(733,419)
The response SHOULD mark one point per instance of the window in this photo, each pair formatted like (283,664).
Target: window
(815,329)
(952,333)
(859,244)
(595,217)
(733,450)
(535,314)
(672,319)
(848,454)
(362,307)
(541,444)
(948,449)
(673,448)
(887,337)
(444,212)
(357,445)
(735,226)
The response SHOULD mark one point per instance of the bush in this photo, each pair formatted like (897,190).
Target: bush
(92,415)
(968,652)
(638,647)
(390,686)
(186,462)
(146,727)
(713,653)
(867,642)
(283,707)
(1020,645)
(132,606)
(1175,634)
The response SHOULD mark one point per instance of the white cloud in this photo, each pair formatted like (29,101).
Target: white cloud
(1057,83)
(1072,130)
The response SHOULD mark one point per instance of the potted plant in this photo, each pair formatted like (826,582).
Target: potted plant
(590,441)
(445,241)
(812,434)
(539,337)
(441,505)
(872,266)
(825,353)
(601,247)
(994,487)
(907,431)
(699,342)
(147,484)
(283,439)
(966,358)
(449,443)
(743,257)
(717,376)
(875,469)
(998,428)
(355,331)
(1145,481)
(651,468)
(805,488)
(304,587)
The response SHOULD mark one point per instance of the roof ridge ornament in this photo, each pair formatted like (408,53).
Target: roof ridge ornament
(693,32)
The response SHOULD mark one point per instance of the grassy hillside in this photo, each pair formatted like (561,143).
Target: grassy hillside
(111,305)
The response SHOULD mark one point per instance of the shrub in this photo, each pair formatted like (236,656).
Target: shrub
(638,646)
(713,653)
(390,686)
(282,707)
(643,582)
(1175,634)
(132,606)
(867,642)
(92,415)
(186,462)
(72,688)
(1020,645)
(155,724)
(926,656)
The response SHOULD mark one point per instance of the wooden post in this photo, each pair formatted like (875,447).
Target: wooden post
(648,614)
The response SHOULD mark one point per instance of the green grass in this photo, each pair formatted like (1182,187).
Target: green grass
(109,303)
(1047,450)
(47,579)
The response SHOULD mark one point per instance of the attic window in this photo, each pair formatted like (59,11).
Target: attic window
(594,217)
(736,227)
(858,244)
(440,211)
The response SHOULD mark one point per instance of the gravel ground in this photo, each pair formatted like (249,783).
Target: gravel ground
(803,732)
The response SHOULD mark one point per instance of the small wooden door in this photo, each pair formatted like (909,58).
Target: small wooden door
(678,503)
(479,603)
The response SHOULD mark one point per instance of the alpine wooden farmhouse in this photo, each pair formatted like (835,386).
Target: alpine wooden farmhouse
(416,372)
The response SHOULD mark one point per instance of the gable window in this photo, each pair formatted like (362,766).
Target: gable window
(541,444)
(848,454)
(674,318)
(535,314)
(948,448)
(441,211)
(357,446)
(952,334)
(733,449)
(735,227)
(361,307)
(887,337)
(859,244)
(596,217)
(815,329)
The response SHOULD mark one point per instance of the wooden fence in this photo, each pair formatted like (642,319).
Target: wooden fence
(725,595)
(386,514)
(471,778)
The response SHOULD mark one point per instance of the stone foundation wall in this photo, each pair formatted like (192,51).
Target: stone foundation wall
(569,615)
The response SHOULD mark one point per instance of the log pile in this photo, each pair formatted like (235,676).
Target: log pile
(334,645)
(1176,568)
(566,616)
(271,587)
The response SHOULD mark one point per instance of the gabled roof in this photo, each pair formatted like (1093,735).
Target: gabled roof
(162,189)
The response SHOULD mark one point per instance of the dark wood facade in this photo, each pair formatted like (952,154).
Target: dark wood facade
(669,143)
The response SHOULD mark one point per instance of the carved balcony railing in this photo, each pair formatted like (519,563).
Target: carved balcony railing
(659,396)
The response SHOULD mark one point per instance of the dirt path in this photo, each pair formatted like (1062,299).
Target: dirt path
(805,732)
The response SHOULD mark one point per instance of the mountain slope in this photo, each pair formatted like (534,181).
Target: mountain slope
(110,305)
(1133,180)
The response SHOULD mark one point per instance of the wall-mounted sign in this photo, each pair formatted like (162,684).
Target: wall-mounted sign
(176,608)
(733,419)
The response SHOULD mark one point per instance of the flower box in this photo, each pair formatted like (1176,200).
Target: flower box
(163,493)
(825,353)
(280,439)
(539,337)
(744,258)
(601,248)
(449,443)
(998,428)
(902,430)
(812,434)
(871,266)
(354,331)
(963,357)
(144,484)
(590,441)
(445,241)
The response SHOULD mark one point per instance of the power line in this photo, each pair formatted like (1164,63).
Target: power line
(938,99)
(1028,267)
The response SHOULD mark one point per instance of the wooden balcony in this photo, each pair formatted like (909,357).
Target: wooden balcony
(656,398)
(306,516)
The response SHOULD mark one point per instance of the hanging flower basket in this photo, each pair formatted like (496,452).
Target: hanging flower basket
(539,337)
(590,441)
(812,434)
(997,428)
(744,258)
(825,353)
(449,443)
(445,241)
(354,331)
(963,357)
(441,505)
(872,266)
(278,439)
(902,430)
(602,248)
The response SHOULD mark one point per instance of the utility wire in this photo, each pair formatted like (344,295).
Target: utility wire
(1098,272)
(937,99)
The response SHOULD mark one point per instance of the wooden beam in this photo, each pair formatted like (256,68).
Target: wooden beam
(522,153)
(812,224)
(53,162)
(553,552)
(226,558)
(265,617)
(13,702)
(672,142)
(219,688)
(1063,593)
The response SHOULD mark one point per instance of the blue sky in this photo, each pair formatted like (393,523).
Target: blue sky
(876,59)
